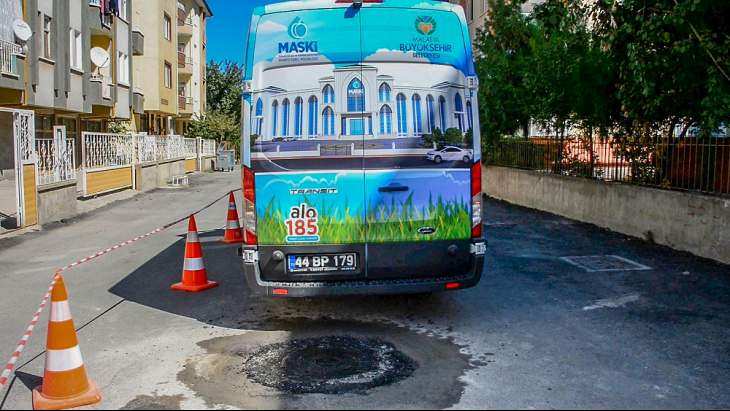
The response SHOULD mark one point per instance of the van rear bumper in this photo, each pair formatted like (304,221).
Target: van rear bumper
(324,288)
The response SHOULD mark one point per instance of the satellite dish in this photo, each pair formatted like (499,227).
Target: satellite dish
(99,57)
(22,30)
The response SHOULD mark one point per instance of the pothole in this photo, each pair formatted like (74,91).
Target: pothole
(328,365)
(301,363)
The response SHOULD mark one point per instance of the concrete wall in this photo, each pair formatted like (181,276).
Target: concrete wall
(208,163)
(685,221)
(56,202)
(154,175)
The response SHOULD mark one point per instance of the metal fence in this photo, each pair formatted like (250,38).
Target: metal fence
(101,150)
(170,147)
(208,148)
(191,148)
(55,164)
(687,164)
(8,57)
(146,148)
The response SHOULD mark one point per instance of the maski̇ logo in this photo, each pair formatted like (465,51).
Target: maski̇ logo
(297,29)
(426,25)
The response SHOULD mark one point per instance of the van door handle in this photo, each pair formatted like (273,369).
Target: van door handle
(393,188)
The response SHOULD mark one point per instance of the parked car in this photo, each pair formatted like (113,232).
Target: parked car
(450,153)
(277,139)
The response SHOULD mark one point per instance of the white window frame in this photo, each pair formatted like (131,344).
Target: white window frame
(123,68)
(168,78)
(75,49)
(167,27)
(123,10)
(47,39)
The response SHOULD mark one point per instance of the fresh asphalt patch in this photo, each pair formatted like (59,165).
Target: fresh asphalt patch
(335,363)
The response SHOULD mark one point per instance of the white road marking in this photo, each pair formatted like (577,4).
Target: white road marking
(613,302)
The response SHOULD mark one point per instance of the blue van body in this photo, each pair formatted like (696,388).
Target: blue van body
(361,149)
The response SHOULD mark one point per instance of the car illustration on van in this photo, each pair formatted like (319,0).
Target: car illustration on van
(450,153)
(343,192)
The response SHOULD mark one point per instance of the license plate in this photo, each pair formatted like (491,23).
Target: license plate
(322,263)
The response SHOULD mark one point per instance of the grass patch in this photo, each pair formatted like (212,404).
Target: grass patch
(382,223)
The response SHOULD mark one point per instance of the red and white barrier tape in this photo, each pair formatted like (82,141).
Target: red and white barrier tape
(11,364)
(10,367)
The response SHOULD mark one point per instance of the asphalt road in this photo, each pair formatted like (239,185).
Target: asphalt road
(537,332)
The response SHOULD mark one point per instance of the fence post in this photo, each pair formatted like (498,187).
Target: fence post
(199,148)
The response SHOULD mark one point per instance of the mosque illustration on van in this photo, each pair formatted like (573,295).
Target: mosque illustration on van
(375,100)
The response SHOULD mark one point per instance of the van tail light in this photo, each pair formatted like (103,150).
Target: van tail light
(476,200)
(249,206)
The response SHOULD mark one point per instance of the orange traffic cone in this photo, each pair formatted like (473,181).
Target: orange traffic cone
(194,276)
(65,383)
(234,234)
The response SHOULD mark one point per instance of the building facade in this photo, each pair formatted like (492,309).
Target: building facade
(477,12)
(52,73)
(172,70)
(378,100)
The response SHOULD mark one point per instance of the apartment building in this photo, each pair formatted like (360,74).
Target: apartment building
(172,70)
(477,12)
(53,72)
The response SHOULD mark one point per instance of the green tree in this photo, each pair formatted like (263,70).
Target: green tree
(501,58)
(224,88)
(216,125)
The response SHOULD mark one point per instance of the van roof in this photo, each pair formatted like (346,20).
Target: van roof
(295,5)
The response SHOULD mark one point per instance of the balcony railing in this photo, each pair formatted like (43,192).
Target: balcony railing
(8,57)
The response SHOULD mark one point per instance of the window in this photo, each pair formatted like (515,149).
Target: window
(285,118)
(384,93)
(355,96)
(386,120)
(298,117)
(168,75)
(313,116)
(402,117)
(123,63)
(47,37)
(442,112)
(329,94)
(357,127)
(328,122)
(259,114)
(431,114)
(123,9)
(417,116)
(469,115)
(274,117)
(459,112)
(167,27)
(75,50)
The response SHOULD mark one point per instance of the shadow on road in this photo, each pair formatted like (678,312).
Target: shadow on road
(286,326)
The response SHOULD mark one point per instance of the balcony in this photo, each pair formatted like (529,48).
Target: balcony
(184,64)
(137,42)
(9,53)
(186,104)
(101,91)
(184,24)
(138,101)
(100,24)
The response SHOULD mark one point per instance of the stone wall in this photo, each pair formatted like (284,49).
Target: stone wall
(685,221)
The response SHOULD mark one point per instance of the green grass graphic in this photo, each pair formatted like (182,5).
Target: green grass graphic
(385,222)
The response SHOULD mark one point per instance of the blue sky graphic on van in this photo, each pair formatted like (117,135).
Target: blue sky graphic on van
(321,31)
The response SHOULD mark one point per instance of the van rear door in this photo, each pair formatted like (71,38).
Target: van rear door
(419,221)
(308,122)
